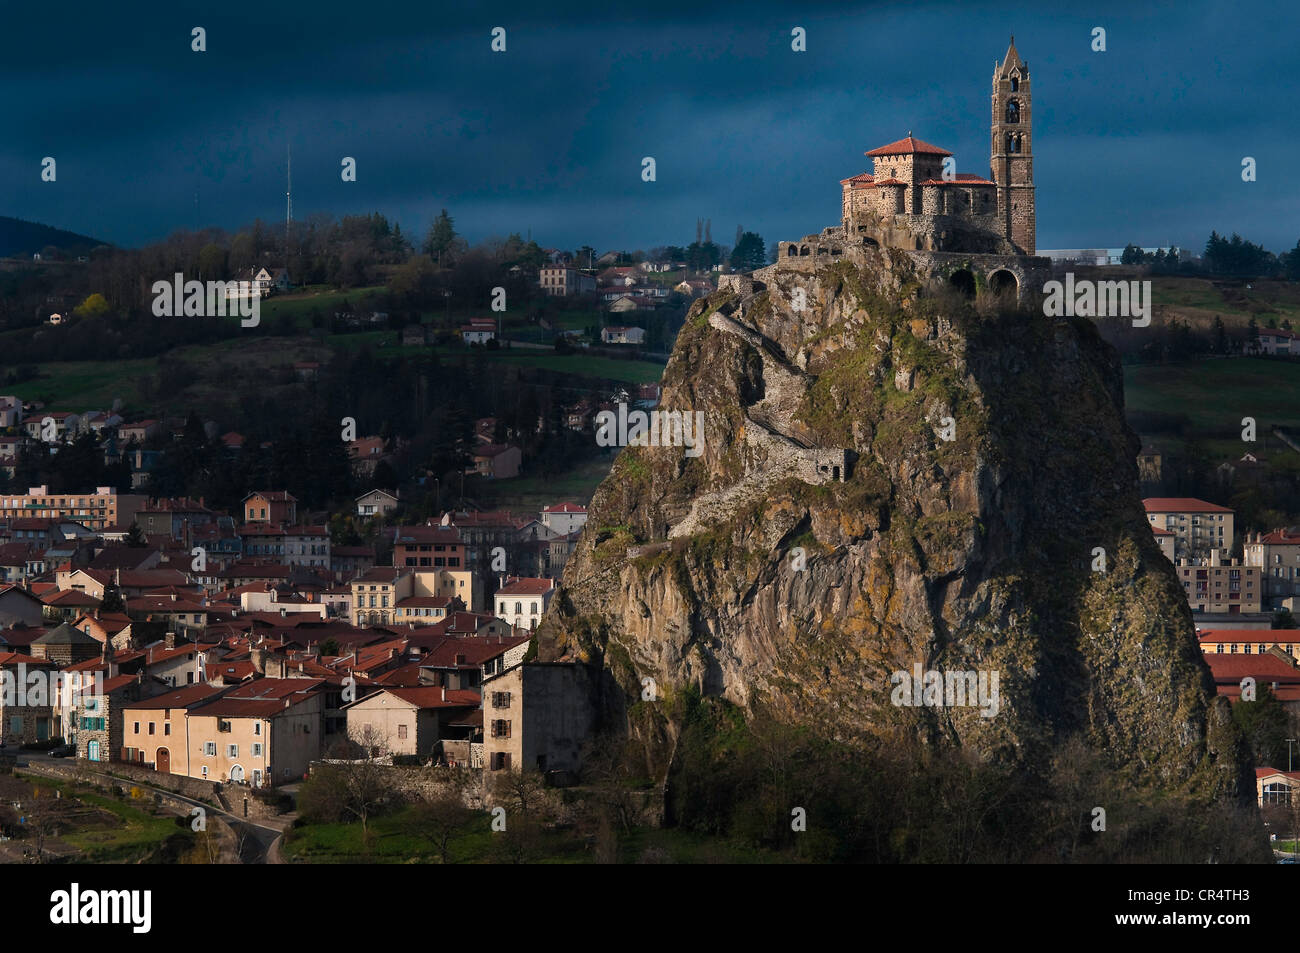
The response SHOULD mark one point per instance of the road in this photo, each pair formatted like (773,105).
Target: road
(255,839)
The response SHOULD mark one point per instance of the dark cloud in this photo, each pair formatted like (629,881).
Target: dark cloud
(1141,143)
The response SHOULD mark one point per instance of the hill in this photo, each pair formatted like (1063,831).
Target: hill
(19,238)
(828,540)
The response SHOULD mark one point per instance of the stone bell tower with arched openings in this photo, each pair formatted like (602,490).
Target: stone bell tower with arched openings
(1012,151)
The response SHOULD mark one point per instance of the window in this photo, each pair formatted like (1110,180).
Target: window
(401,732)
(257,749)
(151,727)
(136,730)
(167,727)
(257,728)
(232,751)
(501,728)
(205,770)
(209,749)
(500,699)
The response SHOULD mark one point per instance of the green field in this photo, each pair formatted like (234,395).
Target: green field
(532,493)
(1215,395)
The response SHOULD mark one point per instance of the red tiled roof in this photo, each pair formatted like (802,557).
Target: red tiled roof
(564,508)
(1264,668)
(1181,504)
(889,182)
(434,696)
(908,146)
(528,586)
(1281,537)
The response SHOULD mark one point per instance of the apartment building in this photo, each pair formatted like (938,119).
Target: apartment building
(561,281)
(1215,585)
(1198,527)
(97,511)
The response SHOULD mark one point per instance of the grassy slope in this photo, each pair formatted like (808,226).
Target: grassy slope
(1215,395)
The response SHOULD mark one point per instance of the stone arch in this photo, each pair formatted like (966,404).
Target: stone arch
(963,281)
(1013,110)
(1003,282)
(791,252)
(803,251)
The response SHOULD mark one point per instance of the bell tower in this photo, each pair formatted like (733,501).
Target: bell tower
(1012,153)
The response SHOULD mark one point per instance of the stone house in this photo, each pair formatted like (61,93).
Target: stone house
(98,718)
(408,720)
(536,717)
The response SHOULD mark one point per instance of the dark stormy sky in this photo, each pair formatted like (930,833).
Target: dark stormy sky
(1143,142)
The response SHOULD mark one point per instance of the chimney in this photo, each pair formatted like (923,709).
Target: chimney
(169,640)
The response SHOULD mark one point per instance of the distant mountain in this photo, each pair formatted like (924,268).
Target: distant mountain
(27,238)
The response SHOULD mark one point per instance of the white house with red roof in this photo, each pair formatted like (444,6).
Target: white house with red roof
(564,518)
(522,601)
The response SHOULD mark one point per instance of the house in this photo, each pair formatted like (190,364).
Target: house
(27,716)
(1198,527)
(522,601)
(621,335)
(536,717)
(98,718)
(564,518)
(1274,670)
(270,506)
(306,370)
(1278,341)
(139,432)
(631,303)
(376,503)
(1150,464)
(625,277)
(154,729)
(260,282)
(365,454)
(496,461)
(478,331)
(408,720)
(264,732)
(655,267)
(66,645)
(17,605)
(694,287)
(562,281)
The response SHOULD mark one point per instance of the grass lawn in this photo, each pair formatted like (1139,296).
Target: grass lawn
(532,493)
(1216,395)
(1198,300)
(86,385)
(604,368)
(394,840)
